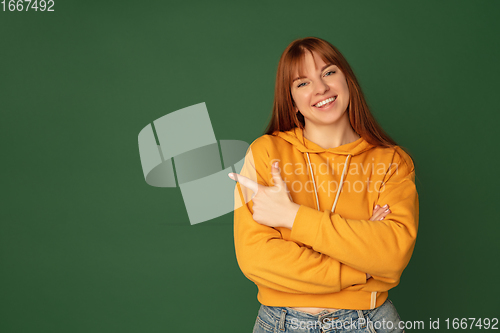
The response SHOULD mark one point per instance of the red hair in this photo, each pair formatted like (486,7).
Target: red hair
(283,116)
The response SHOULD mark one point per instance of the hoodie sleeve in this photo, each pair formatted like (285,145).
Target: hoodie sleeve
(267,259)
(380,248)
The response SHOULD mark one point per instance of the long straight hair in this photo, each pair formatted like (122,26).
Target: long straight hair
(283,116)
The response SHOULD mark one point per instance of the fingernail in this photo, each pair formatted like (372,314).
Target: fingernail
(387,210)
(385,206)
(231,176)
(381,218)
(275,164)
(377,207)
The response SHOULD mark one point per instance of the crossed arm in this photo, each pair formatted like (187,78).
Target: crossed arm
(284,265)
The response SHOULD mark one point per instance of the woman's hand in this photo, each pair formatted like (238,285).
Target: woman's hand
(380,212)
(272,205)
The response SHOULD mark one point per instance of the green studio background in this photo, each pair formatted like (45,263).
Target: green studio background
(87,246)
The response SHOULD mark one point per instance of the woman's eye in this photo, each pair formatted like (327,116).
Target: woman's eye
(300,85)
(326,74)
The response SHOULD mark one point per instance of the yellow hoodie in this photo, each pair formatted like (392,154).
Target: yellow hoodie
(322,260)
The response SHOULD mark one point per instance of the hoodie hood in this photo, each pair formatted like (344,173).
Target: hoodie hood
(296,137)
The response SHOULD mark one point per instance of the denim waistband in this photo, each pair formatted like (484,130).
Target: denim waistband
(287,316)
(276,311)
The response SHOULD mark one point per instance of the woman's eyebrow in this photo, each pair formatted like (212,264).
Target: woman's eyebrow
(322,69)
(298,78)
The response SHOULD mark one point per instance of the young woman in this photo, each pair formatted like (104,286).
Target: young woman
(326,218)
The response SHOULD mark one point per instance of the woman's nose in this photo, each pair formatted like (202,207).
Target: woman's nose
(321,87)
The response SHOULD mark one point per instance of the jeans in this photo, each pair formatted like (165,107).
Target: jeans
(273,319)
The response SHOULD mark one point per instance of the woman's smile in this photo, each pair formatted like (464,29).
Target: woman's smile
(326,103)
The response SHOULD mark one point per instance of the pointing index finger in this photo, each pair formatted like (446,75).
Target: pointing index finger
(245,181)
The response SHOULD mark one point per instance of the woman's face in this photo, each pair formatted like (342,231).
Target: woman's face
(322,96)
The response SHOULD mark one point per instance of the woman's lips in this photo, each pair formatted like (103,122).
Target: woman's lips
(326,106)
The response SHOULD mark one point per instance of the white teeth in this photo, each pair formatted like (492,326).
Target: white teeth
(331,99)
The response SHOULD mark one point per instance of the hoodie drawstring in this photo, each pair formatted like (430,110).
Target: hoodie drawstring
(340,186)
(314,183)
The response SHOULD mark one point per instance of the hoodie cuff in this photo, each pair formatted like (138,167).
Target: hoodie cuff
(306,224)
(350,276)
